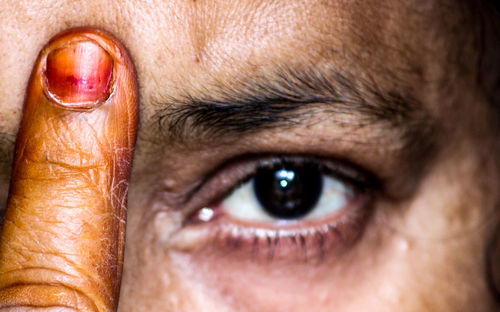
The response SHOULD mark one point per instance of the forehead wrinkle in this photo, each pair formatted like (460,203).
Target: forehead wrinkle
(223,38)
(395,61)
(360,35)
(237,32)
(213,20)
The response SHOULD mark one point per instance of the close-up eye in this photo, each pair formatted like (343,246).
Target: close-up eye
(288,192)
(290,206)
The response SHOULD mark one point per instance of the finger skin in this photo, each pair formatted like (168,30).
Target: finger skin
(62,241)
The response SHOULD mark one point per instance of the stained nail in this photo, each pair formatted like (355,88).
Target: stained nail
(79,120)
(79,72)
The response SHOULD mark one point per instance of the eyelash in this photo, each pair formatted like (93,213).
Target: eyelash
(311,240)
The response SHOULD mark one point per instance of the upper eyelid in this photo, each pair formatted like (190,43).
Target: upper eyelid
(337,168)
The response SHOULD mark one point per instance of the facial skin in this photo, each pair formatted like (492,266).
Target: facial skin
(386,90)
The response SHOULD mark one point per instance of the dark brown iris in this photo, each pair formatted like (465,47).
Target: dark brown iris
(288,192)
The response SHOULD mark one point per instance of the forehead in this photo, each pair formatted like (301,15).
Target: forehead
(187,45)
(193,44)
(220,30)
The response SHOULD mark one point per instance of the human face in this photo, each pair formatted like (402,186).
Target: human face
(380,96)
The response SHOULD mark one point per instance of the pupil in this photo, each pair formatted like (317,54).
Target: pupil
(287,192)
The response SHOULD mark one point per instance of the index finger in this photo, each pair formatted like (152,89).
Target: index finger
(62,239)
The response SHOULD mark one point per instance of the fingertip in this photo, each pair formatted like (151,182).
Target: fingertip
(79,73)
(75,141)
(80,69)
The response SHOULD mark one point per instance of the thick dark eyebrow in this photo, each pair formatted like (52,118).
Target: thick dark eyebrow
(286,98)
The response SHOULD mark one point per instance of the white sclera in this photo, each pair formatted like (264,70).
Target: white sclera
(243,204)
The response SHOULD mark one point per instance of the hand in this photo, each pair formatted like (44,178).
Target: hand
(62,241)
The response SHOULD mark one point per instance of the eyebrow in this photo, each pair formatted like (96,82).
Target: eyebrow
(287,98)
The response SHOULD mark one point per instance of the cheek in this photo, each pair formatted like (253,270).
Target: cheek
(381,273)
(250,286)
(440,276)
(154,278)
(259,284)
(441,236)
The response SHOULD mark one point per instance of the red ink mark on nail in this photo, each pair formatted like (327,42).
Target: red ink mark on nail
(79,72)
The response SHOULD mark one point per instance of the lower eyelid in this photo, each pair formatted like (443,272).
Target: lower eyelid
(263,244)
(296,241)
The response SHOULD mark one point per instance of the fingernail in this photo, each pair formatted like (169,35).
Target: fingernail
(79,74)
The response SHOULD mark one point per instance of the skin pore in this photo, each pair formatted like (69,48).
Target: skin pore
(383,94)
